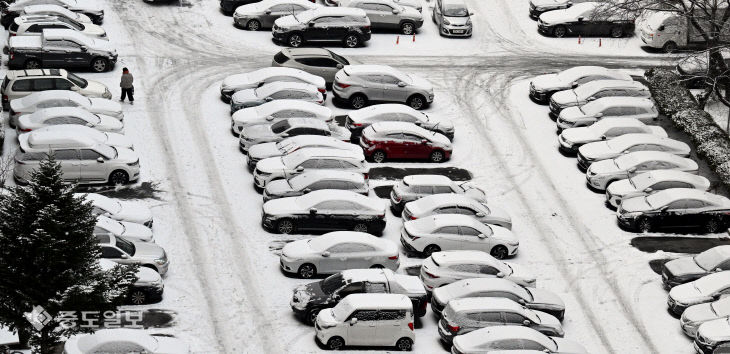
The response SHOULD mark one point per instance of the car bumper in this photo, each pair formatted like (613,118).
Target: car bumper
(407,246)
(279,36)
(544,29)
(437,308)
(451,31)
(267,224)
(163,268)
(702,349)
(676,308)
(539,96)
(626,222)
(583,163)
(446,336)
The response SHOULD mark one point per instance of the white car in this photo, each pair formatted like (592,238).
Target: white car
(70,135)
(360,84)
(594,90)
(706,289)
(63,98)
(281,90)
(456,204)
(414,187)
(337,251)
(282,129)
(68,115)
(289,145)
(696,315)
(544,86)
(573,138)
(234,83)
(55,10)
(457,232)
(316,180)
(130,340)
(119,210)
(308,159)
(443,268)
(128,230)
(712,337)
(602,173)
(416,4)
(639,108)
(603,150)
(33,25)
(362,118)
(491,339)
(271,112)
(651,182)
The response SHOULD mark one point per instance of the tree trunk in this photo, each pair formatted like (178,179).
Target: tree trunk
(23,334)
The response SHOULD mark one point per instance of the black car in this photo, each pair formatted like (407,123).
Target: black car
(60,48)
(311,298)
(582,20)
(686,269)
(140,294)
(347,25)
(229,6)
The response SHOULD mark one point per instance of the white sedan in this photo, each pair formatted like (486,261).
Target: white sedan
(449,203)
(603,150)
(118,210)
(651,182)
(444,268)
(62,98)
(128,230)
(602,173)
(282,90)
(68,115)
(573,138)
(271,112)
(76,130)
(131,340)
(234,83)
(337,251)
(289,145)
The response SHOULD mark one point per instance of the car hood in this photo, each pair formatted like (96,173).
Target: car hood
(548,82)
(108,107)
(93,30)
(411,12)
(127,155)
(297,249)
(257,132)
(579,135)
(248,10)
(270,165)
(279,187)
(684,266)
(460,20)
(544,297)
(237,81)
(504,234)
(699,313)
(146,275)
(263,151)
(287,21)
(110,124)
(565,98)
(571,114)
(599,150)
(422,83)
(136,231)
(148,250)
(557,16)
(95,88)
(499,213)
(282,206)
(134,213)
(717,331)
(566,346)
(604,167)
(548,3)
(245,95)
(120,140)
(621,188)
(243,116)
(685,293)
(311,293)
(636,204)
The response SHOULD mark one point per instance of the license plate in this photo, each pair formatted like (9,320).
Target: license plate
(458,31)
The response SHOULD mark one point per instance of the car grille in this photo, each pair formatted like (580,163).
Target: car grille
(554,107)
(406,214)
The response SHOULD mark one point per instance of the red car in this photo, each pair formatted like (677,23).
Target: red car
(401,140)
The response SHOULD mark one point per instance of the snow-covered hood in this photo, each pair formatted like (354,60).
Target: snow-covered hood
(599,150)
(282,206)
(636,204)
(422,83)
(699,313)
(133,212)
(244,96)
(137,231)
(94,89)
(549,82)
(237,82)
(416,4)
(503,234)
(148,250)
(685,294)
(147,275)
(546,299)
(119,140)
(326,319)
(566,346)
(127,155)
(621,188)
(557,16)
(297,249)
(109,124)
(243,116)
(279,187)
(603,167)
(499,214)
(271,165)
(521,276)
(716,331)
(571,114)
(549,4)
(566,98)
(580,135)
(107,107)
(264,151)
(287,22)
(457,20)
(94,30)
(411,12)
(249,10)
(259,132)
(685,266)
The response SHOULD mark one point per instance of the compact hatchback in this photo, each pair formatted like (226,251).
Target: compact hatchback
(603,150)
(414,187)
(404,141)
(271,112)
(703,290)
(347,25)
(544,86)
(257,78)
(361,84)
(453,18)
(444,268)
(449,203)
(639,108)
(686,269)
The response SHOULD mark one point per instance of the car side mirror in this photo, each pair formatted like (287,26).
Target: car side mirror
(590,98)
(269,118)
(84,48)
(306,190)
(311,24)
(580,19)
(396,11)
(124,256)
(500,275)
(632,170)
(480,215)
(661,28)
(663,210)
(424,141)
(482,236)
(402,84)
(603,137)
(718,270)
(598,115)
(268,12)
(340,66)
(526,322)
(74,88)
(313,211)
(574,84)
(100,159)
(268,99)
(300,169)
(325,254)
(353,321)
(648,190)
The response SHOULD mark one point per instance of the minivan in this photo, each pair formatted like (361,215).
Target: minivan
(20,83)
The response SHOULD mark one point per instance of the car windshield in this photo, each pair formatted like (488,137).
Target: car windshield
(125,245)
(721,307)
(619,144)
(709,259)
(339,58)
(280,126)
(455,10)
(585,90)
(74,24)
(332,283)
(300,182)
(109,205)
(341,311)
(658,200)
(78,81)
(288,147)
(642,181)
(625,162)
(591,108)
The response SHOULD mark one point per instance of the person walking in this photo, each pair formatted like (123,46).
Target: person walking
(127,85)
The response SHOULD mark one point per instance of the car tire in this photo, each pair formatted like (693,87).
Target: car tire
(404,344)
(312,316)
(617,32)
(437,156)
(285,226)
(138,297)
(307,271)
(379,156)
(407,28)
(352,40)
(32,64)
(295,40)
(360,227)
(253,25)
(644,225)
(499,252)
(336,343)
(560,31)
(118,177)
(669,47)
(713,226)
(431,249)
(417,101)
(377,266)
(99,65)
(358,101)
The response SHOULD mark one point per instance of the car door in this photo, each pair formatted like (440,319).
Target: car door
(448,238)
(490,318)
(75,55)
(54,54)
(337,28)
(470,239)
(695,215)
(272,13)
(323,218)
(418,146)
(674,215)
(371,10)
(317,29)
(362,256)
(69,160)
(364,331)
(394,89)
(465,271)
(336,258)
(390,324)
(324,67)
(513,318)
(394,145)
(373,87)
(487,271)
(43,84)
(90,167)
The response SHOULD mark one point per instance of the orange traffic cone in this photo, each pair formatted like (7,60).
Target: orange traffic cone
(599,42)
(397,40)
(414,37)
(579,39)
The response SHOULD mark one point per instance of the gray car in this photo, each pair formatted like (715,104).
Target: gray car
(316,61)
(315,180)
(256,16)
(453,18)
(361,84)
(124,251)
(388,15)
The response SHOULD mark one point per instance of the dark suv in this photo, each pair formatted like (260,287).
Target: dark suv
(343,24)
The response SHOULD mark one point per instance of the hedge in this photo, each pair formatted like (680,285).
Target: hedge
(676,102)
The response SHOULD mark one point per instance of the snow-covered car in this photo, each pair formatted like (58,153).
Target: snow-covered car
(63,98)
(530,297)
(603,150)
(383,141)
(316,61)
(712,337)
(538,7)
(585,19)
(70,135)
(686,269)
(517,338)
(594,90)
(325,210)
(128,251)
(308,159)
(68,115)
(259,15)
(416,4)
(414,187)
(446,267)
(602,173)
(289,145)
(388,15)
(703,290)
(33,25)
(128,230)
(360,84)
(55,10)
(132,340)
(346,25)
(90,8)
(147,289)
(449,203)
(696,315)
(282,129)
(573,138)
(542,87)
(651,182)
(65,48)
(120,210)
(639,108)
(337,251)
(234,83)
(274,111)
(315,180)
(446,232)
(17,82)
(280,90)
(309,299)
(362,118)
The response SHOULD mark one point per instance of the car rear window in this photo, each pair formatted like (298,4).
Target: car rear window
(281,58)
(22,85)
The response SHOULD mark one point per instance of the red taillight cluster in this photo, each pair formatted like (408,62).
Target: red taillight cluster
(341,85)
(366,28)
(454,328)
(410,325)
(393,257)
(414,217)
(366,175)
(322,90)
(5,97)
(431,275)
(25,130)
(398,198)
(357,124)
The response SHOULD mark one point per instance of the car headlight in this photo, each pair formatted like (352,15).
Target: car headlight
(161,261)
(135,163)
(446,22)
(630,215)
(468,22)
(514,243)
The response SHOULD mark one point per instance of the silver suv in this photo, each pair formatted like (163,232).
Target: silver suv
(361,84)
(388,15)
(21,83)
(453,18)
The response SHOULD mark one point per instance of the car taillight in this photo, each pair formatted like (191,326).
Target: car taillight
(398,198)
(382,216)
(431,275)
(357,124)
(424,304)
(5,97)
(320,101)
(410,325)
(341,85)
(453,328)
(25,130)
(366,28)
(414,217)
(393,257)
(322,90)
(366,175)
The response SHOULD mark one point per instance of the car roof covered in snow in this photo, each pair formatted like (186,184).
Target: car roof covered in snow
(463,256)
(45,113)
(582,71)
(265,73)
(433,222)
(41,96)
(643,156)
(481,337)
(338,237)
(319,175)
(676,175)
(618,101)
(378,109)
(373,274)
(324,152)
(427,180)
(274,106)
(377,301)
(277,86)
(466,287)
(306,122)
(381,128)
(316,197)
(306,140)
(489,304)
(335,11)
(63,137)
(431,202)
(627,140)
(597,85)
(672,194)
(372,69)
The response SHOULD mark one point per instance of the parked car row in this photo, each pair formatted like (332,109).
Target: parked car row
(560,18)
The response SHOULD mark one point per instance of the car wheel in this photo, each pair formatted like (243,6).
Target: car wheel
(437,156)
(499,252)
(99,65)
(431,249)
(358,101)
(404,344)
(312,316)
(352,40)
(336,343)
(307,271)
(138,297)
(713,226)
(118,177)
(32,64)
(560,31)
(379,156)
(416,101)
(617,32)
(360,227)
(669,47)
(253,25)
(644,225)
(407,28)
(296,40)
(377,266)
(285,226)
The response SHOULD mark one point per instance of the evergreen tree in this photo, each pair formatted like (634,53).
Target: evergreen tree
(49,258)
